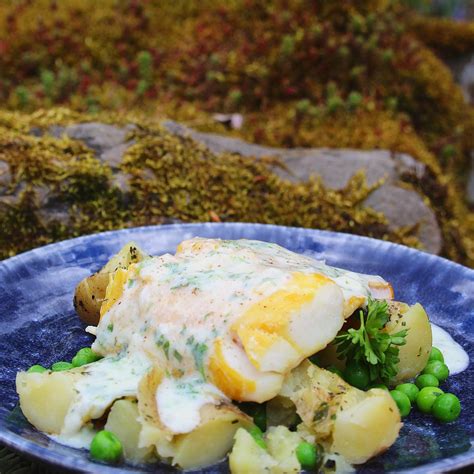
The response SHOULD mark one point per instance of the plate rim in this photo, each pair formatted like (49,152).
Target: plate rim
(349,236)
(41,453)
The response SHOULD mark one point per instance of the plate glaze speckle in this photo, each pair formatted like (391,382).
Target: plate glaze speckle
(38,325)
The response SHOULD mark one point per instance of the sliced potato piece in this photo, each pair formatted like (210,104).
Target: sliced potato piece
(282,444)
(212,439)
(366,428)
(153,432)
(123,422)
(415,353)
(90,292)
(338,413)
(248,457)
(45,398)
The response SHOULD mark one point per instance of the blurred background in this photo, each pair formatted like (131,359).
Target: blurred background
(95,98)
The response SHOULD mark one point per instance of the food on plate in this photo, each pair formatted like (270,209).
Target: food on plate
(90,292)
(239,347)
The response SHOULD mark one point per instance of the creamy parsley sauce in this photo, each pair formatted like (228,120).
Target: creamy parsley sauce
(101,384)
(179,402)
(455,357)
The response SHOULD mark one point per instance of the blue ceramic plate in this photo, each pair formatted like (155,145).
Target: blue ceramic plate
(38,325)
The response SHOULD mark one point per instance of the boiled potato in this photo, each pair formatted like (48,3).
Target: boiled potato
(312,391)
(45,398)
(248,457)
(356,424)
(123,422)
(90,292)
(129,253)
(367,426)
(415,353)
(212,439)
(282,444)
(153,433)
(89,295)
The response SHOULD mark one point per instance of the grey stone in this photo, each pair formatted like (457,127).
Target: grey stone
(407,164)
(107,141)
(59,212)
(219,143)
(9,200)
(405,207)
(42,195)
(336,167)
(121,181)
(5,175)
(462,68)
(113,156)
(97,136)
(470,181)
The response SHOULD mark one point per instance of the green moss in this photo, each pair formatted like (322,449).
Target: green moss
(444,35)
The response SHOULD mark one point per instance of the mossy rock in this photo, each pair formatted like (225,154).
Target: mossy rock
(60,187)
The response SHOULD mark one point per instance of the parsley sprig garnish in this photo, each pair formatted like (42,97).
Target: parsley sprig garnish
(370,345)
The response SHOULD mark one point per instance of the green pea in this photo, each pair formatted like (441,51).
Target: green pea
(85,356)
(402,401)
(381,386)
(257,435)
(410,390)
(438,369)
(37,369)
(307,455)
(335,370)
(357,375)
(106,447)
(446,408)
(60,366)
(426,380)
(436,354)
(427,397)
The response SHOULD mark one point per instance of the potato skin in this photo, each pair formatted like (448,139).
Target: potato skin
(415,353)
(88,297)
(90,292)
